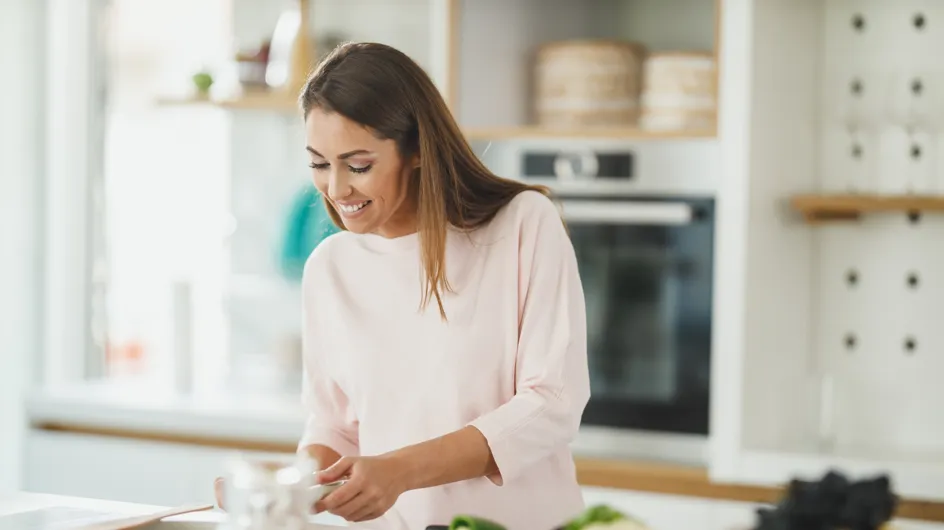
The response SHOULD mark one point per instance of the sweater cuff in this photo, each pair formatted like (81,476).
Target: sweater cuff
(503,449)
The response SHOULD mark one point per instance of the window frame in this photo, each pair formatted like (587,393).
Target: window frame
(75,103)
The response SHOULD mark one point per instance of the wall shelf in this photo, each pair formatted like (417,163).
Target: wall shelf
(514,133)
(262,101)
(849,207)
(277,103)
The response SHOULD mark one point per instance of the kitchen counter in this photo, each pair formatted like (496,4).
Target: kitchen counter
(659,512)
(59,507)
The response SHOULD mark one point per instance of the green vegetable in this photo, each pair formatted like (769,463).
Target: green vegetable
(473,523)
(595,514)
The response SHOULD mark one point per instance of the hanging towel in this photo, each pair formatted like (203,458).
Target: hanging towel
(307,225)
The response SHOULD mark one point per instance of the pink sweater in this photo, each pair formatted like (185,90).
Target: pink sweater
(511,361)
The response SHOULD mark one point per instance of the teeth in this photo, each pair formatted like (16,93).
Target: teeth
(351,208)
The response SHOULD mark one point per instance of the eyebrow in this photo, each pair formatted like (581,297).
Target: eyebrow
(343,156)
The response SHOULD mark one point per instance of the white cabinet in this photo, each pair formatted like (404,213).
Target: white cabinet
(121,469)
(828,342)
(128,470)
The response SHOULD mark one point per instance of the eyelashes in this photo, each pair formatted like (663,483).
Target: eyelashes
(325,165)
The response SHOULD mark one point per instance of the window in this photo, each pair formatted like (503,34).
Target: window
(160,197)
(186,216)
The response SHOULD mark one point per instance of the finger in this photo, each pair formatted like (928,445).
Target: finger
(341,496)
(368,513)
(218,489)
(340,468)
(355,505)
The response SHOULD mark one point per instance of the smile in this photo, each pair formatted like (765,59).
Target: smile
(350,209)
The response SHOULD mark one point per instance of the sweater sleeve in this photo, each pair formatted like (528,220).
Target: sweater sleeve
(552,380)
(331,420)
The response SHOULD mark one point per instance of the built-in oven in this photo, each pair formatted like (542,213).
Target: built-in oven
(643,232)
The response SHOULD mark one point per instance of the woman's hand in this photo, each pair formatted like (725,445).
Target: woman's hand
(374,484)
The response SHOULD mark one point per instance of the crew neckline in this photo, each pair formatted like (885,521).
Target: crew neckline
(384,245)
(379,243)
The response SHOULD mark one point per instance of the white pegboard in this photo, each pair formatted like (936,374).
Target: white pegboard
(879,291)
(883,103)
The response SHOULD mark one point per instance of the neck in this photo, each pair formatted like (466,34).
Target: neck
(393,230)
(403,222)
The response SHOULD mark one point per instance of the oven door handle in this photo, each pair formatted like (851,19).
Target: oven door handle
(627,212)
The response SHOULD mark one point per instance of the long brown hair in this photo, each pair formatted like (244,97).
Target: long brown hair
(381,88)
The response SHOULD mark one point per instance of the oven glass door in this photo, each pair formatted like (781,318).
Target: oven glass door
(646,268)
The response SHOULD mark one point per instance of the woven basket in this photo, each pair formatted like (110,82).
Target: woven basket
(679,91)
(593,83)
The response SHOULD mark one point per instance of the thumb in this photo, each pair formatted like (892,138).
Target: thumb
(339,470)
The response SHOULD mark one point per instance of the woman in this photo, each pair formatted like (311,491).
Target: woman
(444,330)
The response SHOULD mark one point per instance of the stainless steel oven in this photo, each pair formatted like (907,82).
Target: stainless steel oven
(643,232)
(646,267)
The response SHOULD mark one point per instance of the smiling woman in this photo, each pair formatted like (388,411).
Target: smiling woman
(377,108)
(466,408)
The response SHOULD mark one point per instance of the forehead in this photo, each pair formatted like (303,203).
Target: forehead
(332,134)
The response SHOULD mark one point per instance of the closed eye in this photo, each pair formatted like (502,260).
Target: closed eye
(324,165)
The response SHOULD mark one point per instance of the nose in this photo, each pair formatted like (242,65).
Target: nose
(338,185)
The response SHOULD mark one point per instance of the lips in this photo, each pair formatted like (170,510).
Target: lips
(352,209)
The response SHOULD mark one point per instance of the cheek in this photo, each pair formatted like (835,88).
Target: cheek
(394,186)
(375,185)
(320,180)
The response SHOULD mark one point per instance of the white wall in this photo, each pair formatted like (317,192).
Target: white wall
(21,129)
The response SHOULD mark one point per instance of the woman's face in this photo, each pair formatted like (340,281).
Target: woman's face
(363,176)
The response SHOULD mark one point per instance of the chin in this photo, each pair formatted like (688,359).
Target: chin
(358,226)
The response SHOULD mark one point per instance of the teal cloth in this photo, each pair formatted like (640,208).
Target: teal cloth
(307,225)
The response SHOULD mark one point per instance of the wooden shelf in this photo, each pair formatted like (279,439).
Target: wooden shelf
(513,133)
(849,207)
(266,102)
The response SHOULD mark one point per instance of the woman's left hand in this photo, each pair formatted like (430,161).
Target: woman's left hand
(374,484)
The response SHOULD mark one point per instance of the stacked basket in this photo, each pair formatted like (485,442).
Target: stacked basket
(588,84)
(611,83)
(679,91)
